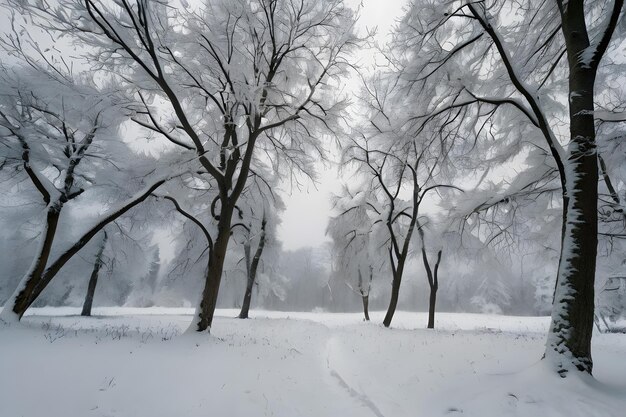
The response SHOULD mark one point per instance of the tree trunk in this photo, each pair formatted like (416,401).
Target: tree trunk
(366,310)
(397,274)
(23,296)
(395,292)
(206,308)
(93,280)
(401,255)
(245,307)
(433,280)
(431,307)
(569,338)
(247,297)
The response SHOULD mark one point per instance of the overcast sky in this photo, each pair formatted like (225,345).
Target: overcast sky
(304,222)
(305,219)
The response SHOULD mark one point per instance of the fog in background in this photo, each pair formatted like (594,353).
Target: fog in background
(299,274)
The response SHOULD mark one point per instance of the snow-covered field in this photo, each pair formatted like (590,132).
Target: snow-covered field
(137,362)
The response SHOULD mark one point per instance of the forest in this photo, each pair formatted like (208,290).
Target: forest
(460,163)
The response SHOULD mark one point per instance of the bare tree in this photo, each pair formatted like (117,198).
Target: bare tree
(521,58)
(228,75)
(432,274)
(390,169)
(404,158)
(53,126)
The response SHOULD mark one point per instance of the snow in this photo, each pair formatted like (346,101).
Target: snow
(587,55)
(137,362)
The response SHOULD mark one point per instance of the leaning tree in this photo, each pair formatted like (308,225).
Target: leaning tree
(60,132)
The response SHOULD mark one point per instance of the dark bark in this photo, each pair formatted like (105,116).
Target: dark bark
(26,295)
(208,302)
(213,277)
(432,301)
(569,339)
(397,270)
(247,298)
(433,283)
(31,172)
(251,269)
(401,254)
(395,292)
(93,279)
(432,275)
(573,321)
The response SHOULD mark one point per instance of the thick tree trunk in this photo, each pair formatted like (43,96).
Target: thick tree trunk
(245,306)
(569,338)
(93,279)
(206,308)
(366,310)
(24,295)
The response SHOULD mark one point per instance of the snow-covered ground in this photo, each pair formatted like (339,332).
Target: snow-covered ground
(137,362)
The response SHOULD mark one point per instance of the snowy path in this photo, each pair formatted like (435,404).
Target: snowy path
(294,364)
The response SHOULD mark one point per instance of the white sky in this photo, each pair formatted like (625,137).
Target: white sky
(305,219)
